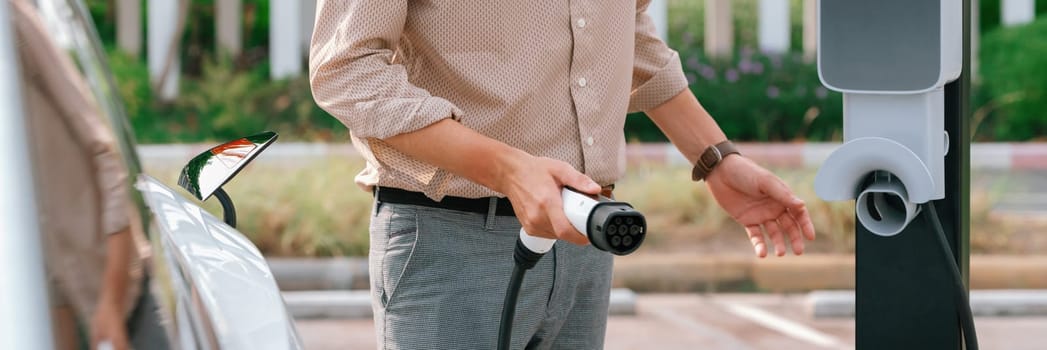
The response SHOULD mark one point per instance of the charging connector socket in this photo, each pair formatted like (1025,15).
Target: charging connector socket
(616,227)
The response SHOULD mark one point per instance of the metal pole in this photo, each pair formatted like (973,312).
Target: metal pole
(904,296)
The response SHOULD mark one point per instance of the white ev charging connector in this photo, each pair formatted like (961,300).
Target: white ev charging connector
(891,60)
(611,226)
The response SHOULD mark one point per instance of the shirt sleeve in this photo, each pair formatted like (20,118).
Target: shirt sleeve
(657,72)
(54,74)
(353,75)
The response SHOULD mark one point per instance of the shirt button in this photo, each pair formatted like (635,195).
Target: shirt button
(581,23)
(582,82)
(589,141)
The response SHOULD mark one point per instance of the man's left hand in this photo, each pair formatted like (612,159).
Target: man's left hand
(759,200)
(107,325)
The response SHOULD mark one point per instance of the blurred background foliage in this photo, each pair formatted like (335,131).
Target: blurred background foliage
(311,210)
(755,97)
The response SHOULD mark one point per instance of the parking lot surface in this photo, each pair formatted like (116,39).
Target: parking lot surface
(714,321)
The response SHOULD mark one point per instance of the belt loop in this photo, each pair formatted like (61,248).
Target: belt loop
(492,211)
(377,203)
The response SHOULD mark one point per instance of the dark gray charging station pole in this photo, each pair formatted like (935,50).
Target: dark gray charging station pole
(904,290)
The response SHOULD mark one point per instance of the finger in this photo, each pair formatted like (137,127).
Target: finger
(803,220)
(756,238)
(780,192)
(787,224)
(563,228)
(569,177)
(537,224)
(777,237)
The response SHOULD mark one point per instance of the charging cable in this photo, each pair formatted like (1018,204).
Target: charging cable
(611,226)
(963,305)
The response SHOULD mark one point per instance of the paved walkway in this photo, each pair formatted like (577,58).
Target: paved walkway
(721,321)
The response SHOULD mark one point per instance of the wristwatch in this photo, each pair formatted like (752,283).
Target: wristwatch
(711,157)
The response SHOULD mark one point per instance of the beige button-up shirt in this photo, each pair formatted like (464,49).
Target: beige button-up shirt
(553,78)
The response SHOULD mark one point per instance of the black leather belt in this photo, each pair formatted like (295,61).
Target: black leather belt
(472,205)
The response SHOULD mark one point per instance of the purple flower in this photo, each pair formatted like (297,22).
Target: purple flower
(757,68)
(708,73)
(692,63)
(773,92)
(746,66)
(731,75)
(821,92)
(691,78)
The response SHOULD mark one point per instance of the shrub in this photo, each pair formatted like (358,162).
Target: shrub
(687,22)
(223,104)
(989,12)
(754,97)
(757,97)
(1014,79)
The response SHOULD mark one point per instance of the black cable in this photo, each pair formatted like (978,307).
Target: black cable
(524,259)
(963,305)
(505,332)
(228,211)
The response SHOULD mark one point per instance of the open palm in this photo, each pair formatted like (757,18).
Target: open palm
(760,201)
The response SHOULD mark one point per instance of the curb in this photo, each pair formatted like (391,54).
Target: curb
(839,304)
(679,273)
(997,156)
(356,304)
(320,274)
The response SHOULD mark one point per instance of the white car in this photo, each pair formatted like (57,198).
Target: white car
(213,285)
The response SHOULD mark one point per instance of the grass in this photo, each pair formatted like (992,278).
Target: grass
(315,209)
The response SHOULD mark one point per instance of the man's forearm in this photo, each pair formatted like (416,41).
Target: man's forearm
(462,151)
(687,124)
(117,264)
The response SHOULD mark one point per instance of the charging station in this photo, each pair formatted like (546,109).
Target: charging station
(903,68)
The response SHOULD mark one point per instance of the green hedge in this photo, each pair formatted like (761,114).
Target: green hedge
(989,12)
(1014,83)
(223,103)
(754,97)
(757,97)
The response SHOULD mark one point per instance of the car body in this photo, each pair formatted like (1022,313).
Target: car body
(214,286)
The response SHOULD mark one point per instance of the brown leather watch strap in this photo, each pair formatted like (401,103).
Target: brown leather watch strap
(711,157)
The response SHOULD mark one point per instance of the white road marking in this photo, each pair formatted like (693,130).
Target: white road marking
(783,325)
(721,339)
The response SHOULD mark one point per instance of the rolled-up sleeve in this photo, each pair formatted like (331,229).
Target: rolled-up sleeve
(353,75)
(657,72)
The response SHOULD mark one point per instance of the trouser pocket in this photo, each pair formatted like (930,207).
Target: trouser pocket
(394,238)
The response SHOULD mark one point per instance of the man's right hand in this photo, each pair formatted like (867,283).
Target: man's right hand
(534,185)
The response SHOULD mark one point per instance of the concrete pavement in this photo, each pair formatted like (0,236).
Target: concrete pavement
(356,304)
(713,321)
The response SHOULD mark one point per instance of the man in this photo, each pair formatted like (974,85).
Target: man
(472,115)
(93,265)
